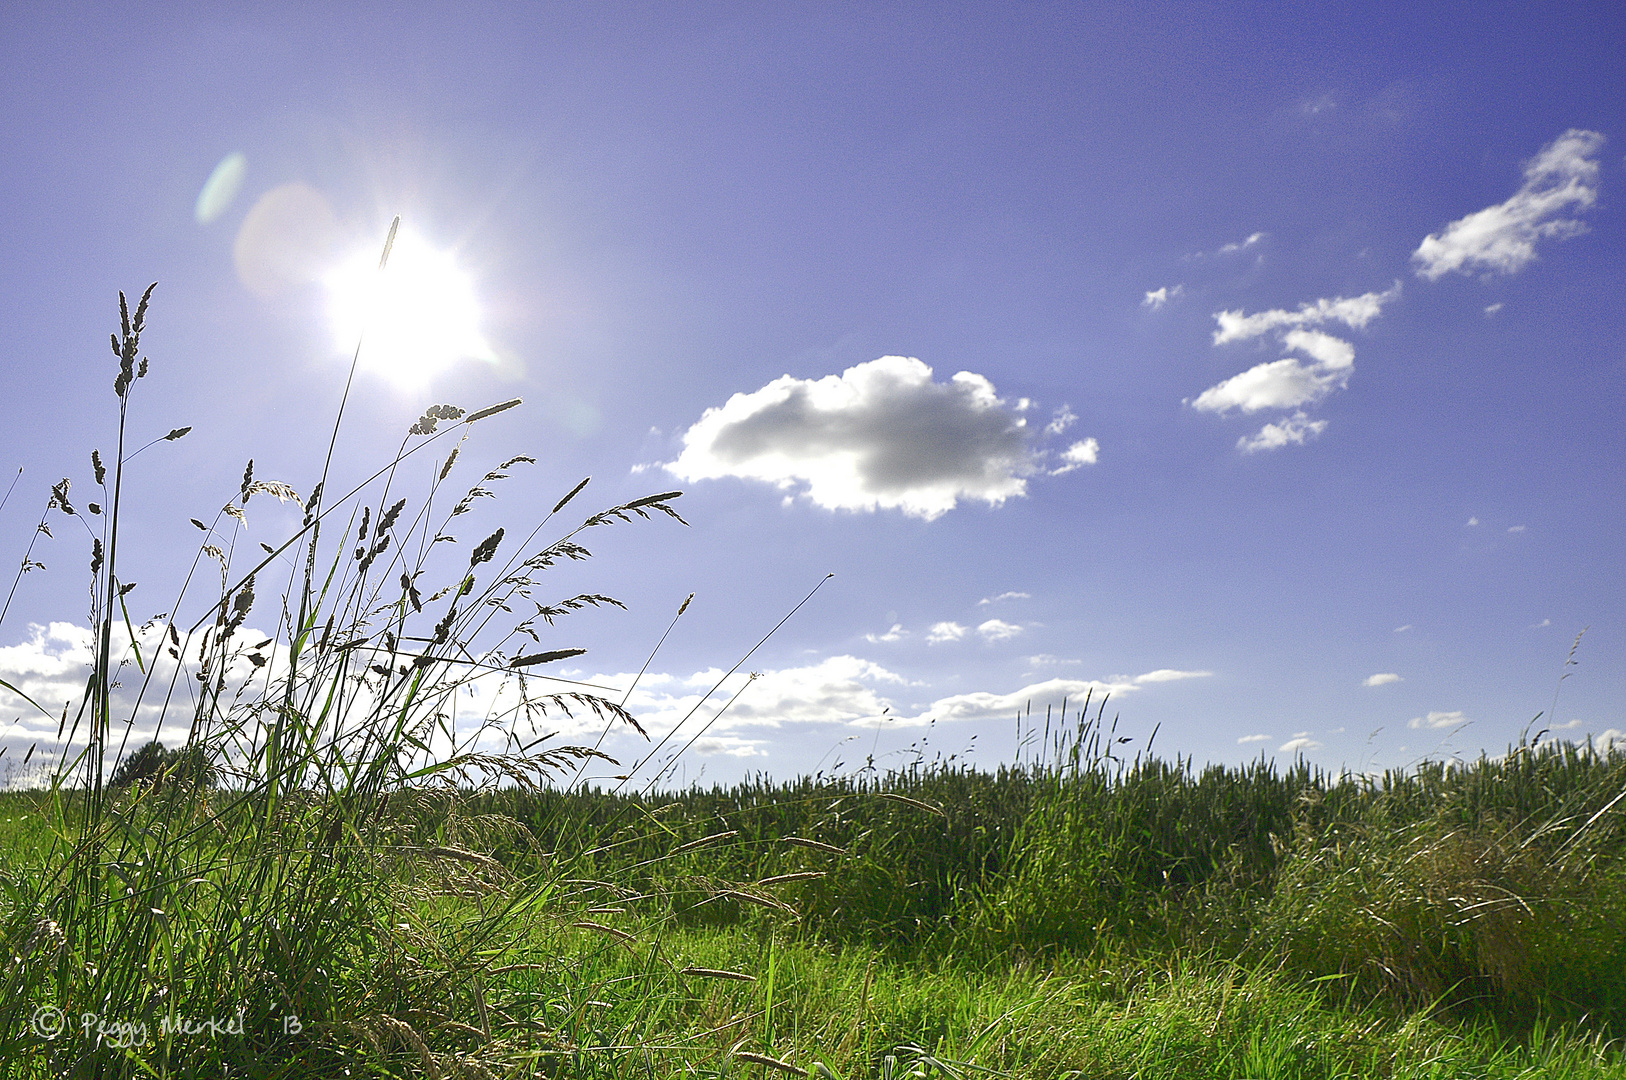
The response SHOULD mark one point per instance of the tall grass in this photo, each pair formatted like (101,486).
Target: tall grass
(285,903)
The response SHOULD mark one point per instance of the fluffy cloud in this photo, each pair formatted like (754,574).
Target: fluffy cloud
(1295,430)
(1286,383)
(1439,720)
(1610,740)
(1084,452)
(998,630)
(945,631)
(1383,679)
(881,434)
(897,633)
(838,689)
(1156,298)
(1298,744)
(1502,238)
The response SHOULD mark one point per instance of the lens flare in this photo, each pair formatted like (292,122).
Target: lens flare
(416,317)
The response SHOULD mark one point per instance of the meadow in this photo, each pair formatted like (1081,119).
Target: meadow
(326,876)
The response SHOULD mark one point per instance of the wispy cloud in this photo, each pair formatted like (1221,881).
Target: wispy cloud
(1354,312)
(1492,309)
(1004,596)
(1246,739)
(1382,679)
(1402,629)
(882,434)
(1502,238)
(1515,528)
(1326,364)
(727,746)
(1472,522)
(944,632)
(1294,431)
(1156,298)
(1241,245)
(1162,675)
(1439,720)
(896,633)
(1298,744)
(1063,419)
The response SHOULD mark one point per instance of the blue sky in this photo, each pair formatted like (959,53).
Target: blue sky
(1233,358)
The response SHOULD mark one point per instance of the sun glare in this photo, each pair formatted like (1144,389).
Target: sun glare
(414,318)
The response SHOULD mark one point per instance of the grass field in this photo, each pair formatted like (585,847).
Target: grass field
(332,880)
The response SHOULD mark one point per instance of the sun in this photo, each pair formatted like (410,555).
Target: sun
(416,317)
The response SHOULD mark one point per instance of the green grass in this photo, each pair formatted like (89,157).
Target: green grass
(344,885)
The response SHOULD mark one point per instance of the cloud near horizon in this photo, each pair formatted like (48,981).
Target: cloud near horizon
(881,435)
(1436,720)
(1502,238)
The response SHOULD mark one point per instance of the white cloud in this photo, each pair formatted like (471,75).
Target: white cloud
(1473,521)
(1492,309)
(1295,430)
(1613,739)
(1402,629)
(1439,720)
(1081,453)
(1246,739)
(1065,418)
(998,630)
(895,634)
(726,745)
(1354,312)
(1170,675)
(983,705)
(1292,381)
(1156,298)
(945,631)
(1542,624)
(1298,744)
(881,434)
(1502,238)
(1286,383)
(1234,247)
(838,689)
(1047,660)
(1515,528)
(1004,596)
(1383,679)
